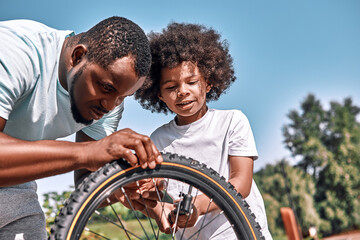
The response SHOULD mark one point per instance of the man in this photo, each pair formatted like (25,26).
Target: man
(52,84)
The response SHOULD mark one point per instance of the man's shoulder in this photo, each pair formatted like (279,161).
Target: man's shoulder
(32,32)
(24,25)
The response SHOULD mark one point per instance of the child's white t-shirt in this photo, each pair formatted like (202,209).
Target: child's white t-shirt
(210,140)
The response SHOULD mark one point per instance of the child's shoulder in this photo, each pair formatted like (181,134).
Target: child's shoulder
(161,130)
(228,113)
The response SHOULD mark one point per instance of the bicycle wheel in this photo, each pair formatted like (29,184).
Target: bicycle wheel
(82,217)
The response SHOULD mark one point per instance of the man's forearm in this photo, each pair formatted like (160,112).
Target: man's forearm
(23,161)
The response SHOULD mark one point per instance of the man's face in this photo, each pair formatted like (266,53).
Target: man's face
(95,91)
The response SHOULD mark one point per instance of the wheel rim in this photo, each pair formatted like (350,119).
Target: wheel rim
(150,231)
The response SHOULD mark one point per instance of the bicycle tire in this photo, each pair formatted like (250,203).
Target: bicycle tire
(83,202)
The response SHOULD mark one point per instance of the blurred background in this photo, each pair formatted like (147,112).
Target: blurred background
(298,81)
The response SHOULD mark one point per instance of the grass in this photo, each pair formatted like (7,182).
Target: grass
(280,237)
(116,233)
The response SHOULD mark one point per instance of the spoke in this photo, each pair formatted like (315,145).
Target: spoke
(137,217)
(206,224)
(177,217)
(111,221)
(187,220)
(146,209)
(205,215)
(231,226)
(162,205)
(118,218)
(97,234)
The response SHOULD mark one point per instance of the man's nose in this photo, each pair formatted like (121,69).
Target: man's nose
(110,103)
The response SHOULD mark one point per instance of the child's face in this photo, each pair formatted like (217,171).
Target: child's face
(183,89)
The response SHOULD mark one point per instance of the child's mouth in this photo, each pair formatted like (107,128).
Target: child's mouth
(184,103)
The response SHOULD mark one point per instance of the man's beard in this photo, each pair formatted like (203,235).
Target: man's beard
(74,109)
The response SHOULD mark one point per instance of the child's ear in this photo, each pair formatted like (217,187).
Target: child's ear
(159,96)
(208,87)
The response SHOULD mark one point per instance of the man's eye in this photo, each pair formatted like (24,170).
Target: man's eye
(107,87)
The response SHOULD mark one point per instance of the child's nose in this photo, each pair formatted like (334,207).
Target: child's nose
(183,90)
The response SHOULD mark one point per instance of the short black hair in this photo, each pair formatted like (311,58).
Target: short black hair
(181,42)
(114,38)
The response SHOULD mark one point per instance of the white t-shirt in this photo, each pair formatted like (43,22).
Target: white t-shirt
(34,103)
(32,99)
(210,140)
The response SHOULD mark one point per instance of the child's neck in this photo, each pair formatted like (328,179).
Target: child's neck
(185,120)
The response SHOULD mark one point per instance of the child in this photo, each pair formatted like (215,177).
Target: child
(190,67)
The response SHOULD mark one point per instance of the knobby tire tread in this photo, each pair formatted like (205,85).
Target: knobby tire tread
(80,195)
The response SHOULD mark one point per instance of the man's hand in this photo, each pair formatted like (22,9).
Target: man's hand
(133,147)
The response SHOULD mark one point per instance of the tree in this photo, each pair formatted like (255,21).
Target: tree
(327,144)
(285,186)
(52,204)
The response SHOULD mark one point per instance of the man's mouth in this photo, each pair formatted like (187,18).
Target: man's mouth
(97,112)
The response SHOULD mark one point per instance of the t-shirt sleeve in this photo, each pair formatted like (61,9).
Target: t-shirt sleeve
(241,139)
(18,64)
(156,138)
(8,92)
(106,125)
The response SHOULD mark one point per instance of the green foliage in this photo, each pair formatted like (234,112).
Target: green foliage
(52,204)
(327,144)
(324,187)
(281,186)
(54,201)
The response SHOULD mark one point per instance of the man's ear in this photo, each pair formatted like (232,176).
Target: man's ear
(78,54)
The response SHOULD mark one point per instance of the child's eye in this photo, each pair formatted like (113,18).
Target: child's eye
(170,87)
(193,82)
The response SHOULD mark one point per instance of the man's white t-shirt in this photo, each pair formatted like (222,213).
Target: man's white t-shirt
(32,99)
(210,140)
(34,103)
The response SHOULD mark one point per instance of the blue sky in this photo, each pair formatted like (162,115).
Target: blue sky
(282,50)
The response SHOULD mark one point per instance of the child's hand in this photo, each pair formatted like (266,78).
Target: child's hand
(186,220)
(141,194)
(160,213)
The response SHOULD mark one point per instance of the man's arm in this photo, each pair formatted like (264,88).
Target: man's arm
(80,174)
(22,161)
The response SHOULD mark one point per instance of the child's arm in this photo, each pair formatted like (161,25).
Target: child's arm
(241,174)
